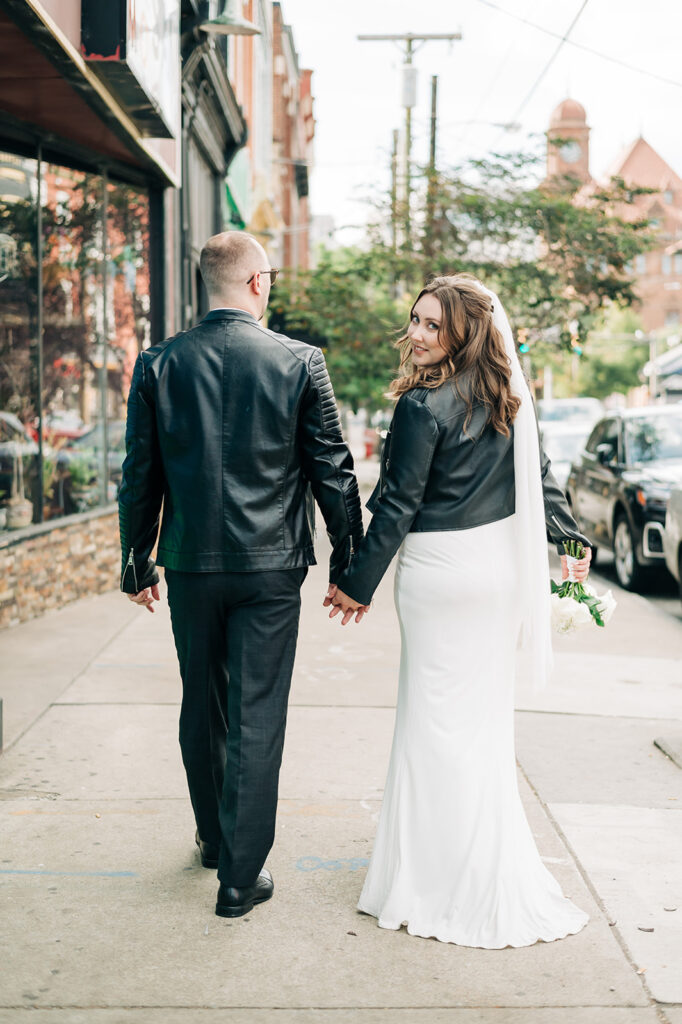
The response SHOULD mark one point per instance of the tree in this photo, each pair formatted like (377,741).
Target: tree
(557,253)
(344,306)
(615,354)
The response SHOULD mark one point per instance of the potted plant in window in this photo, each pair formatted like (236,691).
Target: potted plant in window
(83,487)
(19,508)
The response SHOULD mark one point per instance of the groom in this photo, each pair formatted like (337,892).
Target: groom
(231,426)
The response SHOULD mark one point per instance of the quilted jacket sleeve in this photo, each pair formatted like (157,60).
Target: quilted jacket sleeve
(328,466)
(141,493)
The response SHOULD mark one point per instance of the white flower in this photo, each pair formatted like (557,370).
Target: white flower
(607,606)
(568,614)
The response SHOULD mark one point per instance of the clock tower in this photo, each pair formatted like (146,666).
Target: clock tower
(568,142)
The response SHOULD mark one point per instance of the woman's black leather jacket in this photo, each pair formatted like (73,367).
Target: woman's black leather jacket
(437,475)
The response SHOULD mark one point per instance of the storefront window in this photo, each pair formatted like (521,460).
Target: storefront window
(93,298)
(19,463)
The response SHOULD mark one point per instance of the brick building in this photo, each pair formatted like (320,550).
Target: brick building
(293,132)
(658,273)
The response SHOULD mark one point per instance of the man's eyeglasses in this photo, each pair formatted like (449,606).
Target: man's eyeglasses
(273,275)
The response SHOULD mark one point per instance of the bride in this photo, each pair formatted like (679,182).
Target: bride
(467,495)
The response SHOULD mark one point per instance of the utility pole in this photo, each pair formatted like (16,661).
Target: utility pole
(394,193)
(431,183)
(409,98)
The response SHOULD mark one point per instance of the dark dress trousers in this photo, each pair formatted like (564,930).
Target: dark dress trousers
(231,428)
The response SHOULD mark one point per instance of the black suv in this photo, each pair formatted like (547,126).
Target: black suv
(619,487)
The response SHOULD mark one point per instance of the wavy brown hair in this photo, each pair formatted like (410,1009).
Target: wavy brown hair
(474,350)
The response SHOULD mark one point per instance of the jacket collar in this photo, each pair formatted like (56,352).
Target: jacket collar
(229,314)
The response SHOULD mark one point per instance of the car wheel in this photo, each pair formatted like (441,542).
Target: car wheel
(628,570)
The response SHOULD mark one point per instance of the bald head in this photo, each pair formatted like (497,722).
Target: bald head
(227,262)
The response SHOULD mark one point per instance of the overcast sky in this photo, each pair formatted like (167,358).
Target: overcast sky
(484,78)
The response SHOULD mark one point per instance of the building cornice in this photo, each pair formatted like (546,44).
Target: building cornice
(48,37)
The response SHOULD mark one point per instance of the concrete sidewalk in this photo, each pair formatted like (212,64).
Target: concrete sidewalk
(107,916)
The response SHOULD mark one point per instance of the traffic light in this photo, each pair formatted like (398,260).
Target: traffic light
(522,337)
(574,329)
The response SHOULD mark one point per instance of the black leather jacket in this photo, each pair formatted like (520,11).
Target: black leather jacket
(230,426)
(435,475)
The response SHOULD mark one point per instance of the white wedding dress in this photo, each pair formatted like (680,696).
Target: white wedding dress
(454,856)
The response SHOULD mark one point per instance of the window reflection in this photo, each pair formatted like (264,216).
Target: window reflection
(19,467)
(96,318)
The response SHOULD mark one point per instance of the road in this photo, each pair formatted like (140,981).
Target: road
(662,592)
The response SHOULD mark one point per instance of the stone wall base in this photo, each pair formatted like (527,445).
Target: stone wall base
(51,564)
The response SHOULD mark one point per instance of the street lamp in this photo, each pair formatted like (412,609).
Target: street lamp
(230,23)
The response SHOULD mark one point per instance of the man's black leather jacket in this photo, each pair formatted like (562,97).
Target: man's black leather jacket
(230,426)
(437,475)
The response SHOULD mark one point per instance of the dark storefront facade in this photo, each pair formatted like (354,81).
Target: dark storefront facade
(117,124)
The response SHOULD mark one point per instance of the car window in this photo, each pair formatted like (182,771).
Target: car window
(655,437)
(595,437)
(563,447)
(611,437)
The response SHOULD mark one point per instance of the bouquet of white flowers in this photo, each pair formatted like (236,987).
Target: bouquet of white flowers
(584,605)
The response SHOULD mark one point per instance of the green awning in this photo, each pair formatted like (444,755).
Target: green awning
(236,219)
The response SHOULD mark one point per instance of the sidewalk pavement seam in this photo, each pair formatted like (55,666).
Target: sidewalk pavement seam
(71,681)
(589,714)
(470,1007)
(591,888)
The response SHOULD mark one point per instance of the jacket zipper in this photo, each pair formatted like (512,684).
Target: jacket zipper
(352,552)
(130,563)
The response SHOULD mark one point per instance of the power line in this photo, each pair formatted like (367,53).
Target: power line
(581,46)
(409,83)
(464,135)
(536,83)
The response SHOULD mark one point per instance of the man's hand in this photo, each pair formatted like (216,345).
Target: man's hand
(581,568)
(146,597)
(343,603)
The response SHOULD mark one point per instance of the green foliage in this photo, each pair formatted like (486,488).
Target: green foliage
(615,357)
(556,257)
(83,471)
(344,306)
(601,376)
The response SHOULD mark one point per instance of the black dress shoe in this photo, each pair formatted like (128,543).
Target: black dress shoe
(237,902)
(209,854)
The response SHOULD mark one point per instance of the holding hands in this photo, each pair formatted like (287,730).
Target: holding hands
(343,603)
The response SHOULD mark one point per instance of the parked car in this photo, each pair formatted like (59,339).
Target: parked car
(620,486)
(672,536)
(587,410)
(563,440)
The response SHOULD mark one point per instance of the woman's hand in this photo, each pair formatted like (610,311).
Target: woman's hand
(581,567)
(343,603)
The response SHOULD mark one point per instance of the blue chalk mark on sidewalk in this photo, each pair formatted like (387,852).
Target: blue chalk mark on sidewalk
(70,874)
